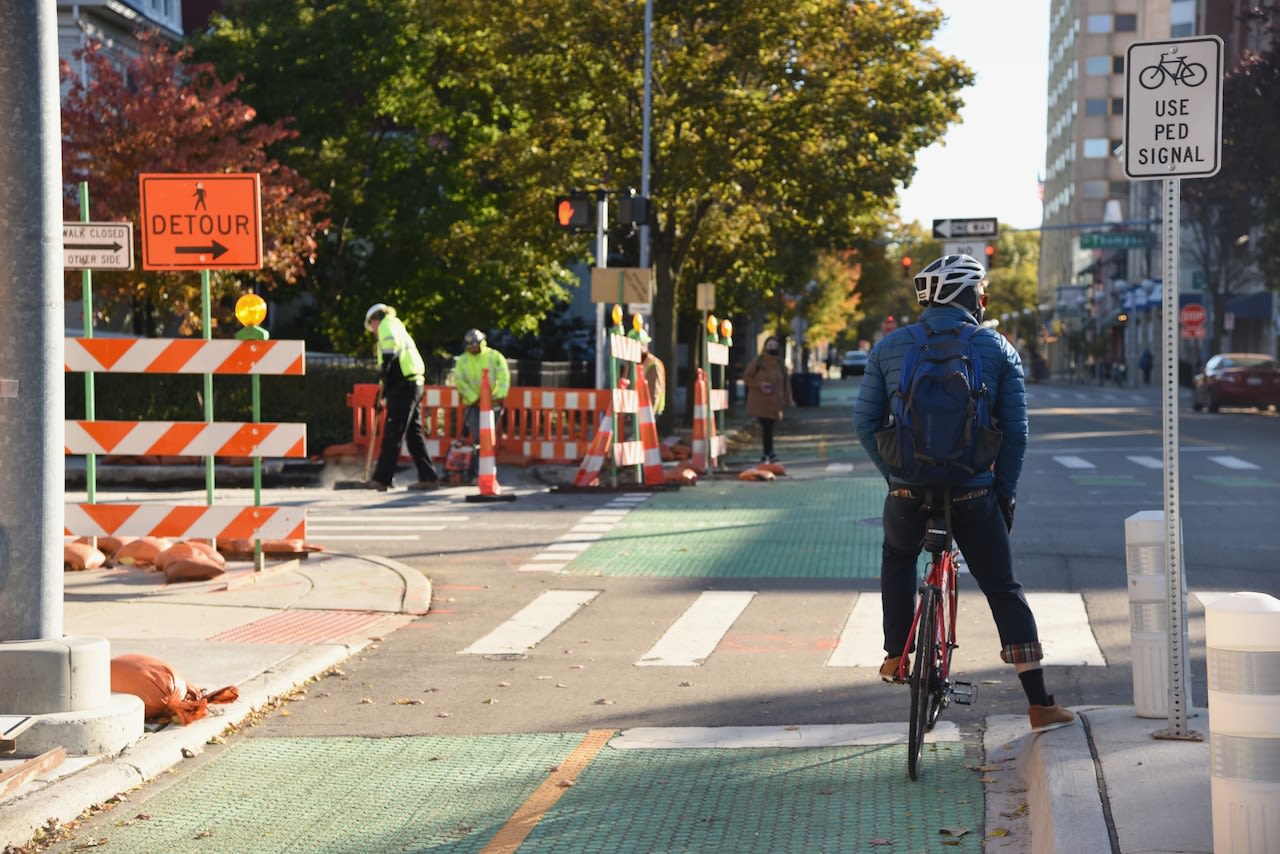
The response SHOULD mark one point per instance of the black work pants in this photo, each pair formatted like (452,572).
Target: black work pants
(404,426)
(471,424)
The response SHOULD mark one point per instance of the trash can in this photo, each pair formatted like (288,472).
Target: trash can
(806,389)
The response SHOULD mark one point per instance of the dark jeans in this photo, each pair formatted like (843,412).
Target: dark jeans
(471,424)
(766,431)
(404,425)
(980,532)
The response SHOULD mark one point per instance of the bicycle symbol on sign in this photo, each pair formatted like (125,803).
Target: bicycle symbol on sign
(1175,68)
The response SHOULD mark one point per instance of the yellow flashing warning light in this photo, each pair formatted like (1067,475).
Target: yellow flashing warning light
(712,322)
(637,323)
(617,315)
(251,310)
(726,328)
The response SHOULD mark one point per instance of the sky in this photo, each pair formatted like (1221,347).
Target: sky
(987,166)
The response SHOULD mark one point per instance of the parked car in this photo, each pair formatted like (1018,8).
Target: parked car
(1237,379)
(854,364)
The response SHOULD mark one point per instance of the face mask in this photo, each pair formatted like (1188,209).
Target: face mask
(772,349)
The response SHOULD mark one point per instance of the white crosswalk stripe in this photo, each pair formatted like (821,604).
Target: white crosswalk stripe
(593,526)
(380,526)
(692,638)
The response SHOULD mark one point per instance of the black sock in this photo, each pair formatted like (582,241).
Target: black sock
(1033,684)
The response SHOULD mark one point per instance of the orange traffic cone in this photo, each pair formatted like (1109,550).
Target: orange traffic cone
(654,474)
(487,475)
(701,433)
(589,469)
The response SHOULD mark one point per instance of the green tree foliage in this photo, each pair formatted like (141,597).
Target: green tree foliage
(389,114)
(160,112)
(1013,284)
(779,130)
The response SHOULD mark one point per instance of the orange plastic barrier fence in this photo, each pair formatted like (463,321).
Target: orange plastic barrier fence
(548,425)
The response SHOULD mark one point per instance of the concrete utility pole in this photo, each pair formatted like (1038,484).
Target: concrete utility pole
(64,681)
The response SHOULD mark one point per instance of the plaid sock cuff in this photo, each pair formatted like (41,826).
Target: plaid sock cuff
(1022,653)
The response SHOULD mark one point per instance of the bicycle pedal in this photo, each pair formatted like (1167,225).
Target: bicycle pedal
(963,693)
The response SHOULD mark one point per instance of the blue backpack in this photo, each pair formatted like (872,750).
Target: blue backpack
(940,431)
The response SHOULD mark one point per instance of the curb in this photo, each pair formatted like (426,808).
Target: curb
(1064,788)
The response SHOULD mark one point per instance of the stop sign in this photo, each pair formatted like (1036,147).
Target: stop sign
(1192,314)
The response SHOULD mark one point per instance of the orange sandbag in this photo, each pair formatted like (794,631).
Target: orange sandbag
(188,549)
(195,568)
(164,694)
(755,474)
(107,545)
(142,552)
(774,468)
(77,557)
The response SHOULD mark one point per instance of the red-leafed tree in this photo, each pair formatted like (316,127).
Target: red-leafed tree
(159,112)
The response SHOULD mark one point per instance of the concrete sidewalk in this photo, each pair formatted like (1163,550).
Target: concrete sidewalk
(265,633)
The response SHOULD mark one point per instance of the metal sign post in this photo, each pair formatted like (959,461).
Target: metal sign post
(1173,129)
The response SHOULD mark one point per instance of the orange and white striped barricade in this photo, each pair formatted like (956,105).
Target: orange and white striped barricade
(552,425)
(718,402)
(181,522)
(186,438)
(589,471)
(184,356)
(487,473)
(652,453)
(208,439)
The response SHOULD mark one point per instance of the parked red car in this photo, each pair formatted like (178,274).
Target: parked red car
(1237,379)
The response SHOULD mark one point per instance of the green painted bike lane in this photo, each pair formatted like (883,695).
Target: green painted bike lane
(525,792)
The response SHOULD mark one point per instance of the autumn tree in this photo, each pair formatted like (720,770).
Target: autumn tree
(159,112)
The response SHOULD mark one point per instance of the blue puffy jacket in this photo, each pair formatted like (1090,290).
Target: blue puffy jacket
(1001,371)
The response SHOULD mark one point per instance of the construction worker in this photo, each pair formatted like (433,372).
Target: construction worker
(655,374)
(401,374)
(468,372)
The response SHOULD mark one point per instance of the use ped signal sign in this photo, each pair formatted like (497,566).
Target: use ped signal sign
(1173,108)
(201,222)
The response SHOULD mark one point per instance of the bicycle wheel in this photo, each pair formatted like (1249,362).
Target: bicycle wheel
(1151,76)
(923,676)
(1194,74)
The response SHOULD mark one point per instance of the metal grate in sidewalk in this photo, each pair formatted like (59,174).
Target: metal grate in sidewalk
(301,627)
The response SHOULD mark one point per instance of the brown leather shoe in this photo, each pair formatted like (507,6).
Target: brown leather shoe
(1052,716)
(424,485)
(889,669)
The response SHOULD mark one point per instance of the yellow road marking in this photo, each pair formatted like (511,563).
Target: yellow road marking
(526,818)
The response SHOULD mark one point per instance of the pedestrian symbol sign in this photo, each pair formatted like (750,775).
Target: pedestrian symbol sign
(201,221)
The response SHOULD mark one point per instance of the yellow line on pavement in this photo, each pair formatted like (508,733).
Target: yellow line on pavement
(526,818)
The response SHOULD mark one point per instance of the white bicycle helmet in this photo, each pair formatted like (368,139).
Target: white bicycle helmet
(945,279)
(473,337)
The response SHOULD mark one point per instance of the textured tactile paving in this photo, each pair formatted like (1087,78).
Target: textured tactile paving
(301,626)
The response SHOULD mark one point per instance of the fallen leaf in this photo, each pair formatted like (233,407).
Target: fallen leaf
(492,701)
(686,684)
(953,831)
(204,834)
(504,684)
(999,832)
(365,701)
(408,701)
(992,767)
(565,784)
(604,702)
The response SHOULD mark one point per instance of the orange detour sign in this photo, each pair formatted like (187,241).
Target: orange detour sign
(201,222)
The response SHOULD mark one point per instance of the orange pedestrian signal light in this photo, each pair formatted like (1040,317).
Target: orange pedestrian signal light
(574,213)
(906,266)
(991,256)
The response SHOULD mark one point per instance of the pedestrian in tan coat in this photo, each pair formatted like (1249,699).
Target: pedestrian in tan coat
(768,393)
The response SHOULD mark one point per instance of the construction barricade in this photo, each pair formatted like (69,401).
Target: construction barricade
(487,471)
(209,439)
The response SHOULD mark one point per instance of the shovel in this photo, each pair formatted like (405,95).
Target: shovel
(368,455)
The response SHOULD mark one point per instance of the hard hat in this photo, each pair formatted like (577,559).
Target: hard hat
(376,308)
(473,337)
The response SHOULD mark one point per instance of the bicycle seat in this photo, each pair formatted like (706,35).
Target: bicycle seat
(935,535)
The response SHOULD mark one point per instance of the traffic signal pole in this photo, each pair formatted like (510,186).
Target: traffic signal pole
(602,260)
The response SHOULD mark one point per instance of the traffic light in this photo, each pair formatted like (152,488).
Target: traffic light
(906,266)
(575,212)
(634,210)
(991,256)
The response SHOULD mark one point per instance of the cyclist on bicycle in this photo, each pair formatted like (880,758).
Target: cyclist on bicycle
(953,291)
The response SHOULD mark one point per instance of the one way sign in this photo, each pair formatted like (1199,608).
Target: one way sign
(945,229)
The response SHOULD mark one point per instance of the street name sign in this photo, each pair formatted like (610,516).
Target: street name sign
(201,221)
(945,229)
(1173,108)
(1116,239)
(97,245)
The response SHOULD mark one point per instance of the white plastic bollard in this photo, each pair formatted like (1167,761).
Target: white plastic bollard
(1242,633)
(1146,566)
